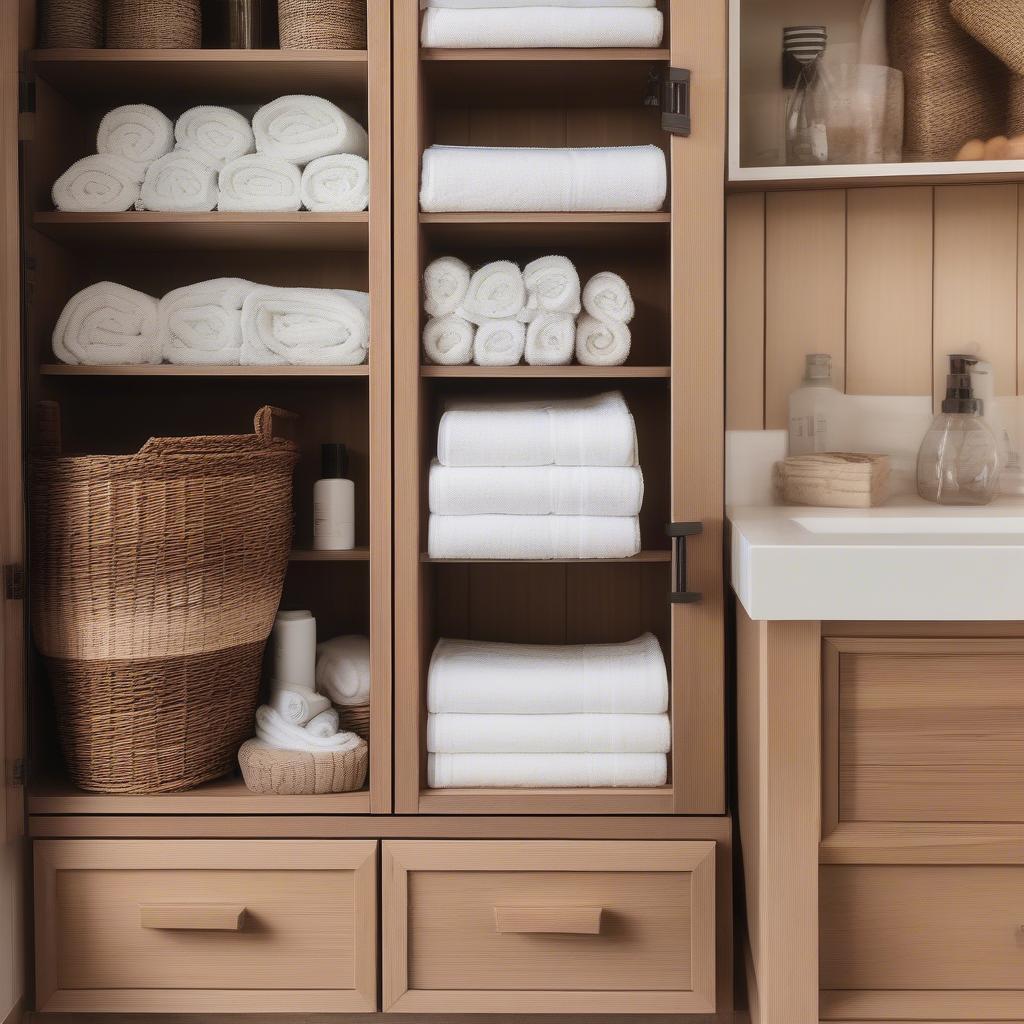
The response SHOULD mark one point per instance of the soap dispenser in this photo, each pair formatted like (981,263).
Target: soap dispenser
(813,408)
(958,463)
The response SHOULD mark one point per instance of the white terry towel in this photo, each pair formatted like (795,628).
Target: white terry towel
(536,490)
(593,431)
(259,184)
(607,297)
(327,723)
(524,27)
(276,732)
(550,339)
(339,183)
(343,669)
(305,327)
(201,324)
(137,133)
(448,340)
(496,292)
(548,734)
(179,183)
(499,343)
(552,286)
(474,677)
(526,771)
(96,184)
(298,706)
(602,343)
(445,283)
(533,537)
(602,179)
(461,5)
(108,324)
(302,128)
(214,135)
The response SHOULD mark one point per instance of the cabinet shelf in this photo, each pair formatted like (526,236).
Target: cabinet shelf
(564,54)
(556,372)
(654,800)
(167,370)
(360,554)
(647,557)
(561,229)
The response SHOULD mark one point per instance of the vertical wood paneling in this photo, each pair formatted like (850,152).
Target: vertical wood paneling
(889,291)
(744,311)
(1020,289)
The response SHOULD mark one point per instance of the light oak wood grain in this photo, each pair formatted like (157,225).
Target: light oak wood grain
(744,311)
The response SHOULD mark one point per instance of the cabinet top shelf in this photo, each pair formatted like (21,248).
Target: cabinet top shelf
(964,172)
(568,54)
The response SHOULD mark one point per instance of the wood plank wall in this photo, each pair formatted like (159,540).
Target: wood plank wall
(887,280)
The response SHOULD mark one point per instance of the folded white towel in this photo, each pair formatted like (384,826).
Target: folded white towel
(108,324)
(305,327)
(137,133)
(607,297)
(179,183)
(461,5)
(448,340)
(548,734)
(552,286)
(327,723)
(302,128)
(97,184)
(536,490)
(602,343)
(593,431)
(214,135)
(604,179)
(298,706)
(201,324)
(533,537)
(343,669)
(258,183)
(523,27)
(276,732)
(499,343)
(534,771)
(445,283)
(339,183)
(550,340)
(496,292)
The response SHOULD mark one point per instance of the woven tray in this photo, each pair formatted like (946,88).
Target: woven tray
(355,718)
(299,773)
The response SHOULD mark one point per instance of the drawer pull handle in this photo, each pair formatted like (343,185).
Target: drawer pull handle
(549,920)
(193,917)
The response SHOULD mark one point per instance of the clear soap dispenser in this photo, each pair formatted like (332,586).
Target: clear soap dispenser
(958,463)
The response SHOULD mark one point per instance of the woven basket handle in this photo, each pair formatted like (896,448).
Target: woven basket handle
(264,421)
(47,439)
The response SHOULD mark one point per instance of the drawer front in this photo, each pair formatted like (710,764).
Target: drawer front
(588,927)
(206,926)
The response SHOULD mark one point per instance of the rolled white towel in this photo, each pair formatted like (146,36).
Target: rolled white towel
(179,183)
(137,133)
(499,343)
(602,343)
(496,292)
(214,135)
(343,669)
(445,283)
(282,735)
(258,183)
(339,183)
(448,340)
(607,297)
(96,184)
(298,706)
(550,339)
(526,771)
(201,324)
(552,286)
(302,128)
(108,324)
(326,724)
(305,327)
(461,5)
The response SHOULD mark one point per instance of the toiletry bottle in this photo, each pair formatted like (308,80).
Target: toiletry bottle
(334,512)
(958,463)
(1011,475)
(813,408)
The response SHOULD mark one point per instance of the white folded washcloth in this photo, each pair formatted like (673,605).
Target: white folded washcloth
(96,184)
(461,5)
(137,133)
(448,340)
(550,339)
(201,324)
(552,286)
(593,431)
(533,537)
(496,292)
(526,771)
(179,183)
(326,724)
(517,180)
(214,135)
(548,734)
(602,343)
(282,735)
(298,706)
(499,343)
(536,490)
(445,283)
(108,324)
(524,27)
(339,183)
(474,677)
(302,128)
(343,669)
(607,297)
(258,183)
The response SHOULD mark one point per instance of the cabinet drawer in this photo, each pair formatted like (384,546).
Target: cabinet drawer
(198,926)
(549,927)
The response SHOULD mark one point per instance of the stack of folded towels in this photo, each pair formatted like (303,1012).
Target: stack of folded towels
(523,715)
(536,480)
(298,152)
(224,322)
(501,315)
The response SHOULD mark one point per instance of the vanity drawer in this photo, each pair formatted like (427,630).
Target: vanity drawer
(206,926)
(549,927)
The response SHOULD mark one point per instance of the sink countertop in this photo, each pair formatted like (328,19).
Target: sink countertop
(907,560)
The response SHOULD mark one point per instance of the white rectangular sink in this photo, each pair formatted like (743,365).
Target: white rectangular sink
(917,525)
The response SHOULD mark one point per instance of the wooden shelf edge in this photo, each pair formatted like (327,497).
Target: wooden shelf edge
(654,800)
(138,218)
(567,54)
(167,370)
(277,56)
(648,557)
(360,554)
(487,217)
(554,372)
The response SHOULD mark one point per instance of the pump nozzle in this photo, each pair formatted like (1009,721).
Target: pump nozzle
(960,386)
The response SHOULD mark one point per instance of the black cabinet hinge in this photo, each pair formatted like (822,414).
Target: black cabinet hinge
(14,582)
(679,532)
(670,90)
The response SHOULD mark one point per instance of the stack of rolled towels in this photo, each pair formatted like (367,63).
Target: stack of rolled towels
(536,480)
(227,321)
(524,715)
(298,152)
(501,315)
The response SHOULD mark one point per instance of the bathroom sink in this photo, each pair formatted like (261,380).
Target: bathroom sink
(916,525)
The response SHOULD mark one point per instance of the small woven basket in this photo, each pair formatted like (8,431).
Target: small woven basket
(154,25)
(1015,107)
(997,24)
(322,24)
(72,23)
(300,773)
(355,718)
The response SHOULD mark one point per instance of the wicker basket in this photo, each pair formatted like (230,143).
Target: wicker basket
(355,718)
(322,24)
(997,24)
(154,25)
(72,23)
(299,773)
(155,580)
(1015,107)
